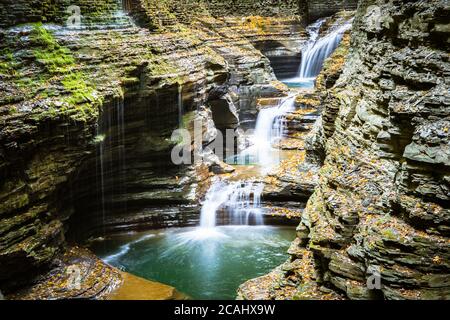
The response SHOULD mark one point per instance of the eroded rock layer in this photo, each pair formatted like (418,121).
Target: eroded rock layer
(87,116)
(380,211)
(87,119)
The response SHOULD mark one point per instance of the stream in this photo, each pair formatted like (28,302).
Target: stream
(211,261)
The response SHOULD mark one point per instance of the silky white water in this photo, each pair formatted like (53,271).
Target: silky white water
(241,200)
(316,51)
(270,128)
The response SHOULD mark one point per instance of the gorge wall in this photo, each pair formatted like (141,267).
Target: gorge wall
(318,9)
(86,118)
(163,12)
(381,207)
(86,124)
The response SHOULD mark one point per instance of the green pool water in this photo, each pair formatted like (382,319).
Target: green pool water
(202,264)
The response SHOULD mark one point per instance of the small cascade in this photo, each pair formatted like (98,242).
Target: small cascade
(100,139)
(245,203)
(180,106)
(316,51)
(270,128)
(240,199)
(216,197)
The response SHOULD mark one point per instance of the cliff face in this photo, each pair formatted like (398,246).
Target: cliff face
(15,12)
(86,119)
(321,8)
(381,208)
(86,122)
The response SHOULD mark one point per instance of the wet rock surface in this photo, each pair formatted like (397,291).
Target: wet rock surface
(86,121)
(86,118)
(380,208)
(79,274)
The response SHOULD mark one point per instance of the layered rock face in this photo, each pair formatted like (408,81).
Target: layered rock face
(322,8)
(58,11)
(377,224)
(87,119)
(86,124)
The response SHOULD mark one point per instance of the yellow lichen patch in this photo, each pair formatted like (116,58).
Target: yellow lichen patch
(307,100)
(279,86)
(437,260)
(284,212)
(291,164)
(291,144)
(258,23)
(262,103)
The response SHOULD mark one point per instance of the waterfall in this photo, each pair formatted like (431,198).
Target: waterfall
(245,202)
(240,199)
(270,128)
(121,151)
(217,195)
(316,51)
(101,165)
(314,55)
(180,106)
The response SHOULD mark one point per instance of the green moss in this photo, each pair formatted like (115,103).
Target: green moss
(80,90)
(12,110)
(54,57)
(13,203)
(80,101)
(55,61)
(8,65)
(390,234)
(160,66)
(129,81)
(41,37)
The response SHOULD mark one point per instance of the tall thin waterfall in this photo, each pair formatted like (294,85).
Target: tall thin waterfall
(316,51)
(270,127)
(180,106)
(240,199)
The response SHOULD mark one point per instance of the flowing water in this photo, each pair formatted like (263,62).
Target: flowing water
(208,268)
(270,128)
(315,52)
(240,200)
(231,244)
(211,261)
(180,106)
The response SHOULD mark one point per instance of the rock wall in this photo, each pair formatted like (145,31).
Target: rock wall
(13,12)
(381,210)
(156,13)
(266,8)
(323,8)
(66,95)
